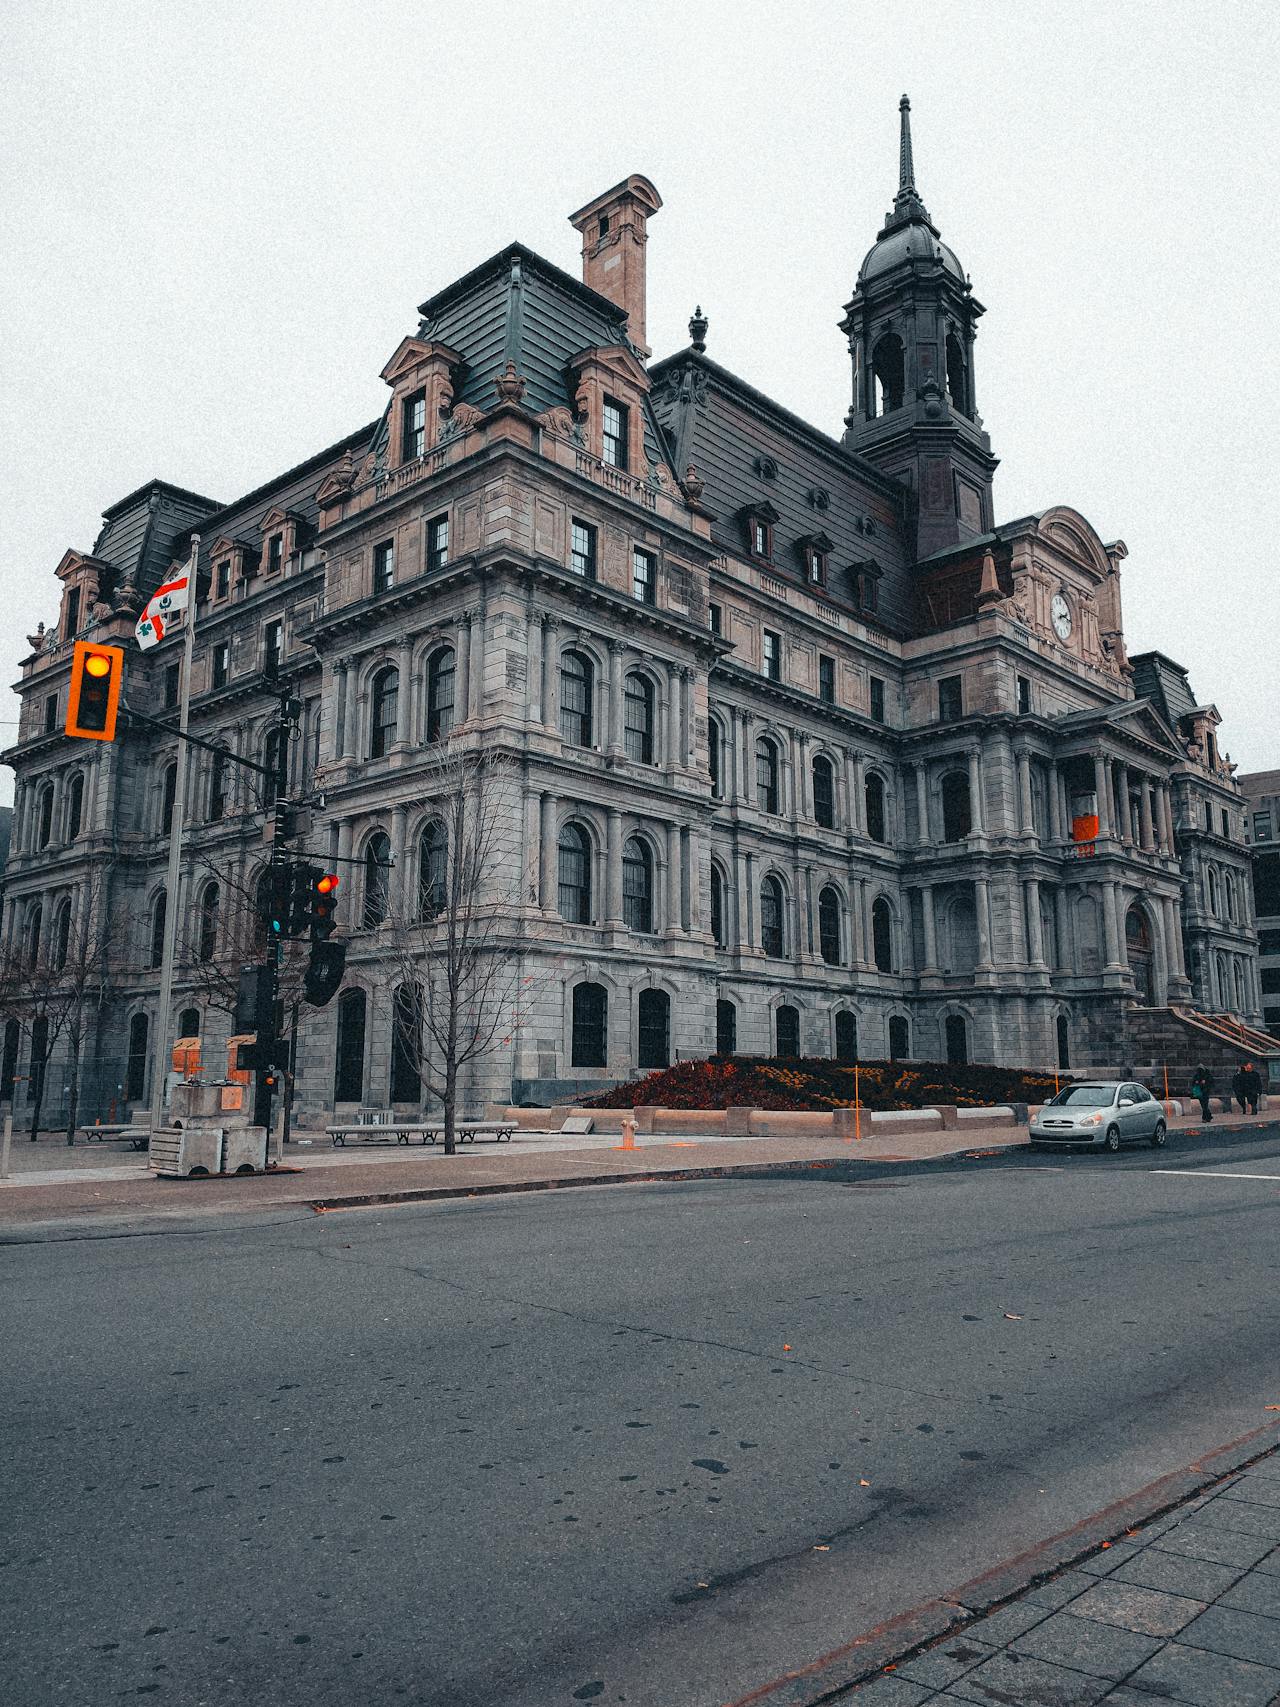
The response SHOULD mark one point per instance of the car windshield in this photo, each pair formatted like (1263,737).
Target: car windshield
(1084,1096)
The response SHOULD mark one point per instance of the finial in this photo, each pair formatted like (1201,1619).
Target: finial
(698,329)
(906,167)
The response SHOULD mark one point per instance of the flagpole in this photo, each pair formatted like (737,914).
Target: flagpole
(173,877)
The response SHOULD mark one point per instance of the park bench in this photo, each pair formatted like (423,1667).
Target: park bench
(383,1125)
(139,1136)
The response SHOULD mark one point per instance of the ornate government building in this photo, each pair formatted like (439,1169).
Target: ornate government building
(816,755)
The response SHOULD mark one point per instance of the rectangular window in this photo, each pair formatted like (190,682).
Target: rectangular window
(275,553)
(1208,816)
(384,565)
(643,576)
(761,537)
(1262,826)
(1024,695)
(827,680)
(869,588)
(715,616)
(438,542)
(222,579)
(72,621)
(221,664)
(218,781)
(615,434)
(1269,942)
(51,713)
(413,433)
(1226,824)
(815,563)
(772,655)
(950,700)
(582,550)
(1270,976)
(172,685)
(877,700)
(273,649)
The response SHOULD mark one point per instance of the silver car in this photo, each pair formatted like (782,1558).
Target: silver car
(1101,1112)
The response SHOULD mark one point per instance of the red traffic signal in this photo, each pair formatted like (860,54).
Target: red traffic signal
(94,696)
(324,906)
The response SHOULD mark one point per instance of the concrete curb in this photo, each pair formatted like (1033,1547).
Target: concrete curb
(831,1675)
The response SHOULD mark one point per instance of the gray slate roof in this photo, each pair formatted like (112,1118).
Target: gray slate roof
(1158,678)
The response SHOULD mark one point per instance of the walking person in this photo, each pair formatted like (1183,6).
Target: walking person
(1238,1086)
(1252,1083)
(1202,1088)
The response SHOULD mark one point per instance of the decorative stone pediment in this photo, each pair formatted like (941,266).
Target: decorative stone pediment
(618,360)
(76,563)
(414,356)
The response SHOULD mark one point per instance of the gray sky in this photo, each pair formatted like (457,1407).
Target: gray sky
(218,221)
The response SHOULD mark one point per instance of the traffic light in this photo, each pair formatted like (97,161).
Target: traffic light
(301,898)
(324,906)
(255,1000)
(94,697)
(324,972)
(279,899)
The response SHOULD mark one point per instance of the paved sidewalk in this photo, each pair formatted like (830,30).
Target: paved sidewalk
(1185,1609)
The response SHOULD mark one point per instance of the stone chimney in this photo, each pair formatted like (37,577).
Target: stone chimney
(613,240)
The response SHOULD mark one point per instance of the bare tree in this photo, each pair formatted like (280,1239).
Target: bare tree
(454,956)
(240,938)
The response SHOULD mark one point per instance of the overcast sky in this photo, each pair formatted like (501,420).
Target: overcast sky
(219,219)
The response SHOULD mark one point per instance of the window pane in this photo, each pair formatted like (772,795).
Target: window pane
(440,687)
(637,886)
(575,699)
(771,933)
(638,719)
(824,794)
(642,578)
(574,876)
(582,554)
(438,543)
(590,1025)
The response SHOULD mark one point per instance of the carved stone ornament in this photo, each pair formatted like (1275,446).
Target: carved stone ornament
(694,485)
(557,419)
(509,385)
(462,418)
(36,641)
(698,329)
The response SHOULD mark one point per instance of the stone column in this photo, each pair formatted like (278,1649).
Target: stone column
(1110,935)
(1066,957)
(478,626)
(345,838)
(406,734)
(1100,791)
(1166,817)
(533,692)
(930,929)
(982,910)
(614,722)
(748,761)
(342,714)
(673,699)
(689,747)
(977,811)
(613,868)
(753,908)
(1053,786)
(857,918)
(673,878)
(741,910)
(550,674)
(730,770)
(1026,820)
(798,802)
(1035,931)
(688,881)
(1126,809)
(1144,808)
(462,670)
(923,827)
(1173,937)
(808,907)
(858,796)
(396,899)
(548,863)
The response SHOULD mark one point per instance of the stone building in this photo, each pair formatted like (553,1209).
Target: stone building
(1261,793)
(816,755)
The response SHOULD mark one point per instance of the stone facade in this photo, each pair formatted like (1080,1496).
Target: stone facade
(1261,793)
(813,755)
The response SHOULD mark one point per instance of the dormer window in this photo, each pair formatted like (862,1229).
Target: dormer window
(71,613)
(759,522)
(604,225)
(275,553)
(814,549)
(615,434)
(222,579)
(866,582)
(413,433)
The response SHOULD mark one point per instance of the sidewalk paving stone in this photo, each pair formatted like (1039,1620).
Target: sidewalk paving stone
(1173,1573)
(1008,1677)
(1243,1635)
(894,1692)
(942,1665)
(1146,1611)
(1204,1679)
(1059,1590)
(1243,1518)
(1102,1650)
(1256,1592)
(1196,1540)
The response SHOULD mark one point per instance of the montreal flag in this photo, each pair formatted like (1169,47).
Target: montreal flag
(161,607)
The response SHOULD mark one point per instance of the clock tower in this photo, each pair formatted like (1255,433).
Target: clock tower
(910,324)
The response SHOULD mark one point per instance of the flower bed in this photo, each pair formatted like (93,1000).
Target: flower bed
(755,1082)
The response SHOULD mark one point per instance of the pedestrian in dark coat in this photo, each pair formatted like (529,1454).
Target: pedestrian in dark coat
(1252,1086)
(1238,1087)
(1202,1088)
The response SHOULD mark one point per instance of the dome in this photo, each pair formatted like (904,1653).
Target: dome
(908,242)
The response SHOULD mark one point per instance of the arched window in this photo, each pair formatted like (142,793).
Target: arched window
(715,758)
(377,873)
(829,925)
(726,1028)
(406,1044)
(433,871)
(159,916)
(638,720)
(207,923)
(45,829)
(876,818)
(957,375)
(385,702)
(34,922)
(846,1038)
(189,1022)
(637,885)
(768,767)
(577,699)
(1214,906)
(75,806)
(888,367)
(273,757)
(899,1038)
(772,933)
(589,1042)
(717,908)
(135,1080)
(957,818)
(441,675)
(1233,899)
(882,935)
(653,1017)
(957,1035)
(61,934)
(168,798)
(787,1032)
(348,1077)
(824,793)
(219,786)
(574,876)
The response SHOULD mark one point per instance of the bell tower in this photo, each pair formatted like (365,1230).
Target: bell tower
(910,324)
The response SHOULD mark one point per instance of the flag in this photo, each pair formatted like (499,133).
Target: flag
(161,607)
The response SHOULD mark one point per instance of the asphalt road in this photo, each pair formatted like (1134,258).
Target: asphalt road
(650,1444)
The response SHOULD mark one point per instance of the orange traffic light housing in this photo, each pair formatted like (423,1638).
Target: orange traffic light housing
(94,697)
(324,906)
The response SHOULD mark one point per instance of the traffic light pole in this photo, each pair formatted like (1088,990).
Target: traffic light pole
(173,878)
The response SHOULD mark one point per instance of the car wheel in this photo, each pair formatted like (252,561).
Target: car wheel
(1112,1139)
(1159,1135)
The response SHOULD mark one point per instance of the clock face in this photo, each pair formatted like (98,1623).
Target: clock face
(1060,616)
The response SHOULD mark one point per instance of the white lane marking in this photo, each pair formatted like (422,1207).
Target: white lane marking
(1210,1173)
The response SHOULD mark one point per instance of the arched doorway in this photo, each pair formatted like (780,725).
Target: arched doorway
(653,1015)
(1064,1042)
(957,1041)
(1140,955)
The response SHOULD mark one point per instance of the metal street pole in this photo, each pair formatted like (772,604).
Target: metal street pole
(173,878)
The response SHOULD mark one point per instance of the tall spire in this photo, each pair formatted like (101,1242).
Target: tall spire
(908,208)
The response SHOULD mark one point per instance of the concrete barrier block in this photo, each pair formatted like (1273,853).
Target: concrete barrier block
(737,1122)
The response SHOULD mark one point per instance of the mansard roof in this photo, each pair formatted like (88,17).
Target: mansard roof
(750,451)
(138,532)
(1158,678)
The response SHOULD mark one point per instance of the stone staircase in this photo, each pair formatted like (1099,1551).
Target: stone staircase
(1182,1039)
